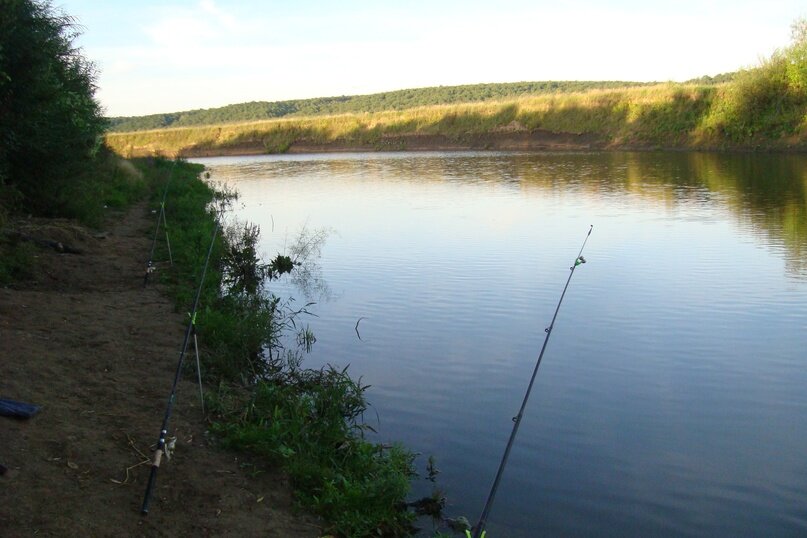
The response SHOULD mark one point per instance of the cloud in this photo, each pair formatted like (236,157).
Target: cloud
(202,25)
(227,20)
(211,53)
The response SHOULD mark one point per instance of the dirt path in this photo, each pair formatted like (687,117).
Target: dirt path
(98,352)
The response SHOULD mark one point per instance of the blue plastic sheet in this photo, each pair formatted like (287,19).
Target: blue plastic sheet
(11,408)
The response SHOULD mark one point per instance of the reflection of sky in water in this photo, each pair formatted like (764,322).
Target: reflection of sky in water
(671,398)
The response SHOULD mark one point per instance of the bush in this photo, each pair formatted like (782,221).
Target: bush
(765,103)
(796,56)
(16,261)
(50,123)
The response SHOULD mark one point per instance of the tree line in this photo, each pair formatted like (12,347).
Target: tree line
(377,102)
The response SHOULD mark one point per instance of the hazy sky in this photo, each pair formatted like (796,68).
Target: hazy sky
(171,55)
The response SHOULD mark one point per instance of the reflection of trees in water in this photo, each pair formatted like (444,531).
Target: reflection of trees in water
(305,253)
(767,192)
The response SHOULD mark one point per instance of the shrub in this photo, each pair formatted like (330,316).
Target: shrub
(50,123)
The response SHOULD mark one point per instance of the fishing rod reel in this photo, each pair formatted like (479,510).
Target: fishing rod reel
(170,446)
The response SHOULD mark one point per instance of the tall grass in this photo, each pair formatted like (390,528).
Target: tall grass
(762,106)
(311,424)
(668,115)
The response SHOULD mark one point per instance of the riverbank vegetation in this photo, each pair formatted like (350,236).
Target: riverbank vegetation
(53,164)
(261,398)
(52,159)
(759,108)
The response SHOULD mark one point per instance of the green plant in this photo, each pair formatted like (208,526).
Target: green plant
(765,103)
(50,123)
(796,56)
(16,261)
(309,421)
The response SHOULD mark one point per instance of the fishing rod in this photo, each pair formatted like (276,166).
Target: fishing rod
(160,218)
(191,329)
(479,529)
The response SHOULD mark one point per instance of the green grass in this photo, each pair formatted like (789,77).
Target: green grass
(16,261)
(108,183)
(309,422)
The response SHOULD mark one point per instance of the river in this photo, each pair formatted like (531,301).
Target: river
(672,397)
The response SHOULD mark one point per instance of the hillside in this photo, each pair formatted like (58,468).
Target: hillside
(737,115)
(377,102)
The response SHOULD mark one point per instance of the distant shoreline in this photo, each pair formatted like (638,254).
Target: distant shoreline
(511,141)
(520,141)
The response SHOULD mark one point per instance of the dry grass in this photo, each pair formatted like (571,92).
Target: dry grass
(666,115)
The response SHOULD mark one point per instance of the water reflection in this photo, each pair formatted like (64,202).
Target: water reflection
(767,193)
(671,400)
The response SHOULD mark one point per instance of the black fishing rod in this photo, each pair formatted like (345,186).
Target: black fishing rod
(158,454)
(160,218)
(479,529)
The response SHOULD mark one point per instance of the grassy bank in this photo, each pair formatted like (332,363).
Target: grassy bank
(261,399)
(731,115)
(105,184)
(377,102)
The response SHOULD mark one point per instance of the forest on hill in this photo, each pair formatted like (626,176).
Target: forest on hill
(377,102)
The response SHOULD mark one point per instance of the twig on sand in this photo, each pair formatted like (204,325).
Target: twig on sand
(145,461)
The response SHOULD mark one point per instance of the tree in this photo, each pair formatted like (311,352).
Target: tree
(796,55)
(50,122)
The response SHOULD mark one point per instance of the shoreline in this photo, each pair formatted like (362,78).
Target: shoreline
(513,140)
(539,140)
(86,341)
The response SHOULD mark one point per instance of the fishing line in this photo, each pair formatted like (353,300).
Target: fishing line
(479,529)
(160,218)
(161,444)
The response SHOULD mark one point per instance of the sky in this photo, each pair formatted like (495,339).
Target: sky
(157,56)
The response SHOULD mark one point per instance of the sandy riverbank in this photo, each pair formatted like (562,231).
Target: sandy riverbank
(84,340)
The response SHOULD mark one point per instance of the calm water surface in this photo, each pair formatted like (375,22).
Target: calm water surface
(672,399)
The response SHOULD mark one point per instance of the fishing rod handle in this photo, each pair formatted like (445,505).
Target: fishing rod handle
(152,481)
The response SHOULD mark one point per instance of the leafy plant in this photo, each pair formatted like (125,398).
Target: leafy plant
(309,422)
(796,56)
(50,122)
